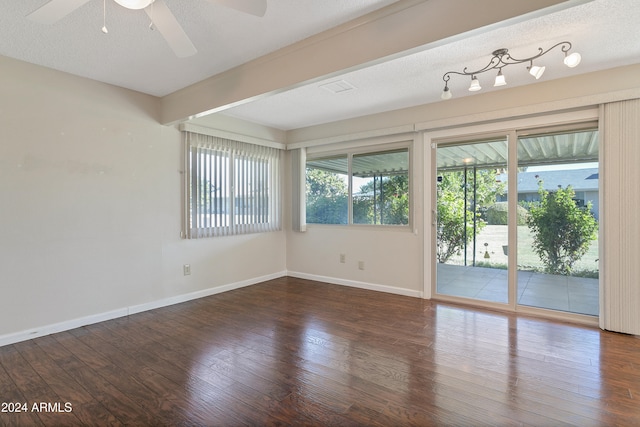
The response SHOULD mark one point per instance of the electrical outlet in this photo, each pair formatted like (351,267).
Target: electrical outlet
(360,265)
(343,258)
(186,269)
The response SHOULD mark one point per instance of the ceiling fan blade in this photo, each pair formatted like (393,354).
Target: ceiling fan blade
(253,7)
(55,10)
(170,29)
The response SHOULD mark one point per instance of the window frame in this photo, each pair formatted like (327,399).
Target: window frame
(359,150)
(514,128)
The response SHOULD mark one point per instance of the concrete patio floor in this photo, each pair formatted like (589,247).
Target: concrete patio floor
(565,293)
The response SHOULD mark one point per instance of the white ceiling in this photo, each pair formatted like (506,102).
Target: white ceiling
(605,32)
(134,57)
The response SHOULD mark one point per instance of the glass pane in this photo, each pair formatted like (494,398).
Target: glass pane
(327,190)
(558,235)
(381,188)
(472,217)
(251,190)
(210,189)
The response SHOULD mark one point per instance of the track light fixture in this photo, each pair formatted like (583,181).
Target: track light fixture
(501,58)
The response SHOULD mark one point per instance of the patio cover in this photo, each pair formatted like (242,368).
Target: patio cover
(574,147)
(558,148)
(366,165)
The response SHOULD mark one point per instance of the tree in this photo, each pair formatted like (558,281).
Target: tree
(455,224)
(562,231)
(388,204)
(327,197)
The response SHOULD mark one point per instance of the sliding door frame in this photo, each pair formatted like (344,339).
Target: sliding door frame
(478,132)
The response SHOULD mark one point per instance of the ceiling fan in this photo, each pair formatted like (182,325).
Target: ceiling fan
(161,17)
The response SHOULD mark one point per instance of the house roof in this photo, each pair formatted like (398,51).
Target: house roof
(579,179)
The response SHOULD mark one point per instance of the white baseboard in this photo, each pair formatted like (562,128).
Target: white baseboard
(357,284)
(60,327)
(201,294)
(125,311)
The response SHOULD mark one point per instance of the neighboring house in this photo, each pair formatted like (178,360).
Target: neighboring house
(584,182)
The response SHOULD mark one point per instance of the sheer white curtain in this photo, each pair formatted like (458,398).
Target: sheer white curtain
(620,174)
(231,187)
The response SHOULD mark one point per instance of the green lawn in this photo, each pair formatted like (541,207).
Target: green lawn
(496,236)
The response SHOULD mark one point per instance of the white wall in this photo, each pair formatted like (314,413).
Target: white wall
(392,259)
(392,256)
(90,211)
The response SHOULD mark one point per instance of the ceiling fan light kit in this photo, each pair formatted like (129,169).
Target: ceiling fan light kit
(501,58)
(134,4)
(161,17)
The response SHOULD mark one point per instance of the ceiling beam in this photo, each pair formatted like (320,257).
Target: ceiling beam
(399,29)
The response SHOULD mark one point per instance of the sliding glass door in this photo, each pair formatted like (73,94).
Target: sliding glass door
(558,194)
(545,232)
(472,212)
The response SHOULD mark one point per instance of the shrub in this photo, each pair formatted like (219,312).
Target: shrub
(562,231)
(497,214)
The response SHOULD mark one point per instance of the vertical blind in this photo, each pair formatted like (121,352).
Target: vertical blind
(231,187)
(620,292)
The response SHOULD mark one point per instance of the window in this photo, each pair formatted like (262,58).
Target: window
(231,188)
(359,188)
(328,190)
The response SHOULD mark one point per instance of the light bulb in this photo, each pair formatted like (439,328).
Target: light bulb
(475,85)
(500,80)
(134,4)
(536,71)
(446,93)
(572,60)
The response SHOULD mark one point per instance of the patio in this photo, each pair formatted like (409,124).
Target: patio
(565,293)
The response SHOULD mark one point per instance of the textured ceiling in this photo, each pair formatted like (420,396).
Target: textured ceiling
(134,57)
(605,32)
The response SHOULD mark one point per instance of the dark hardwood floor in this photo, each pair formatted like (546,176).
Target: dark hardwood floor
(297,352)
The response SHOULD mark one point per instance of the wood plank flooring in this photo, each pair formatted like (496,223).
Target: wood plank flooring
(297,352)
